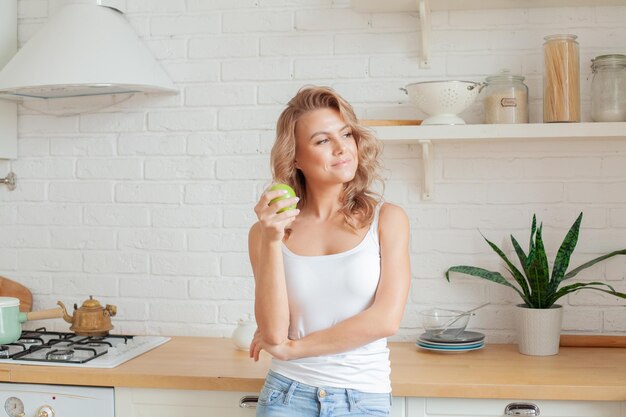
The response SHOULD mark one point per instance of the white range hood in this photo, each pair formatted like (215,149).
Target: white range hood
(83,50)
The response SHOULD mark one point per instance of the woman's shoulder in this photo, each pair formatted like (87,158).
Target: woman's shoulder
(392,215)
(390,209)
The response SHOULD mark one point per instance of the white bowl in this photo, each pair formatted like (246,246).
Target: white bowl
(443,100)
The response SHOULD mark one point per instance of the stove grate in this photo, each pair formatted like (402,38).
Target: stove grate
(41,345)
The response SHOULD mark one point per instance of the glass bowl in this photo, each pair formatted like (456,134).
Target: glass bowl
(447,324)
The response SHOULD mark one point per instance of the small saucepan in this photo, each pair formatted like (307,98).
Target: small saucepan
(11,318)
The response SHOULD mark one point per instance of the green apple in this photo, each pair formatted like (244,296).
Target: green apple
(290,193)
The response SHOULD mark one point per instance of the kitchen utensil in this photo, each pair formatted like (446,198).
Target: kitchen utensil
(464,337)
(11,318)
(10,288)
(450,349)
(466,341)
(443,344)
(444,323)
(462,313)
(91,319)
(443,100)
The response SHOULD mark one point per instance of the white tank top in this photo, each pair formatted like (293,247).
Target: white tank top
(323,291)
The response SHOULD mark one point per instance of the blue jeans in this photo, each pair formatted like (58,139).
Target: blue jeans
(284,397)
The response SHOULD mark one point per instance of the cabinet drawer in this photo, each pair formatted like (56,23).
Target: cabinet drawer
(461,407)
(140,402)
(146,402)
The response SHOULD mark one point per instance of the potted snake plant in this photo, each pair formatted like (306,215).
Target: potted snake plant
(539,316)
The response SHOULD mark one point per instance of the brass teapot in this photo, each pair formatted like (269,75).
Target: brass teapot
(91,319)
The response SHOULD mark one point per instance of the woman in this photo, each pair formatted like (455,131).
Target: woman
(331,276)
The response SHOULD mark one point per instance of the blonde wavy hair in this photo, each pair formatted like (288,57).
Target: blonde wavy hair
(359,201)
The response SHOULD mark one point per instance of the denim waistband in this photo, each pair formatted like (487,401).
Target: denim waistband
(285,397)
(288,385)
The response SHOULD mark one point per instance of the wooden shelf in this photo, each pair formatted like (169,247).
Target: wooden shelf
(412,5)
(426,135)
(485,132)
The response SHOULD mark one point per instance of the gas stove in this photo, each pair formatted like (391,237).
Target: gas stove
(41,347)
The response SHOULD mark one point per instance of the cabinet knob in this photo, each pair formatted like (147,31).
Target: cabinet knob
(249,401)
(521,409)
(45,411)
(9,180)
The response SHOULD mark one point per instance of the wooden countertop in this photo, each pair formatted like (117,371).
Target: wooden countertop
(497,371)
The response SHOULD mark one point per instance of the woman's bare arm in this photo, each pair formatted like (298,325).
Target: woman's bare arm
(271,307)
(381,319)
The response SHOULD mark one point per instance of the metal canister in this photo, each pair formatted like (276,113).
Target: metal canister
(608,88)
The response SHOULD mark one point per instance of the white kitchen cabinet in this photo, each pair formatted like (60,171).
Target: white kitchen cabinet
(146,402)
(8,110)
(463,407)
(427,135)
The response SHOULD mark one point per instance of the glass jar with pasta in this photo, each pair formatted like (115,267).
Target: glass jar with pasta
(561,79)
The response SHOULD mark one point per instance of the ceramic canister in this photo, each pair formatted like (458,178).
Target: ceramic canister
(243,334)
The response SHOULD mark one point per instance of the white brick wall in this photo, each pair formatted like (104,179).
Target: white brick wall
(147,204)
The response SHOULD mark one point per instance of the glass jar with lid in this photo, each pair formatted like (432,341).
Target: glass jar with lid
(561,79)
(506,99)
(608,88)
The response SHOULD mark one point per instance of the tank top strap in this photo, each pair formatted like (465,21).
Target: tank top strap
(374,225)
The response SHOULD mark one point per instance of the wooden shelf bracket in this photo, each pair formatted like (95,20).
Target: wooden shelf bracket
(424,16)
(427,163)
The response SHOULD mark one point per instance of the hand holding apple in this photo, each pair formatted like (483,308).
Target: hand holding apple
(276,210)
(290,193)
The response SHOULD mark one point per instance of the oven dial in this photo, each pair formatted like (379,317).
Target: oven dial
(45,411)
(14,407)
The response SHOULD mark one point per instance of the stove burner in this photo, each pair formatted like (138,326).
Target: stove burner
(41,346)
(60,355)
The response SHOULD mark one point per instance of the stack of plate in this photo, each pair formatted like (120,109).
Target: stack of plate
(464,342)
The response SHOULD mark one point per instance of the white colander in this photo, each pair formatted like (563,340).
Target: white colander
(443,100)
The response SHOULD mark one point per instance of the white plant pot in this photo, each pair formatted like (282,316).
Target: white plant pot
(539,330)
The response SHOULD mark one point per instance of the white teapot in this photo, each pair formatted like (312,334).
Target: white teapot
(243,334)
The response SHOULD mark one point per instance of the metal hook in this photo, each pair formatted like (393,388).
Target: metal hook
(9,180)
